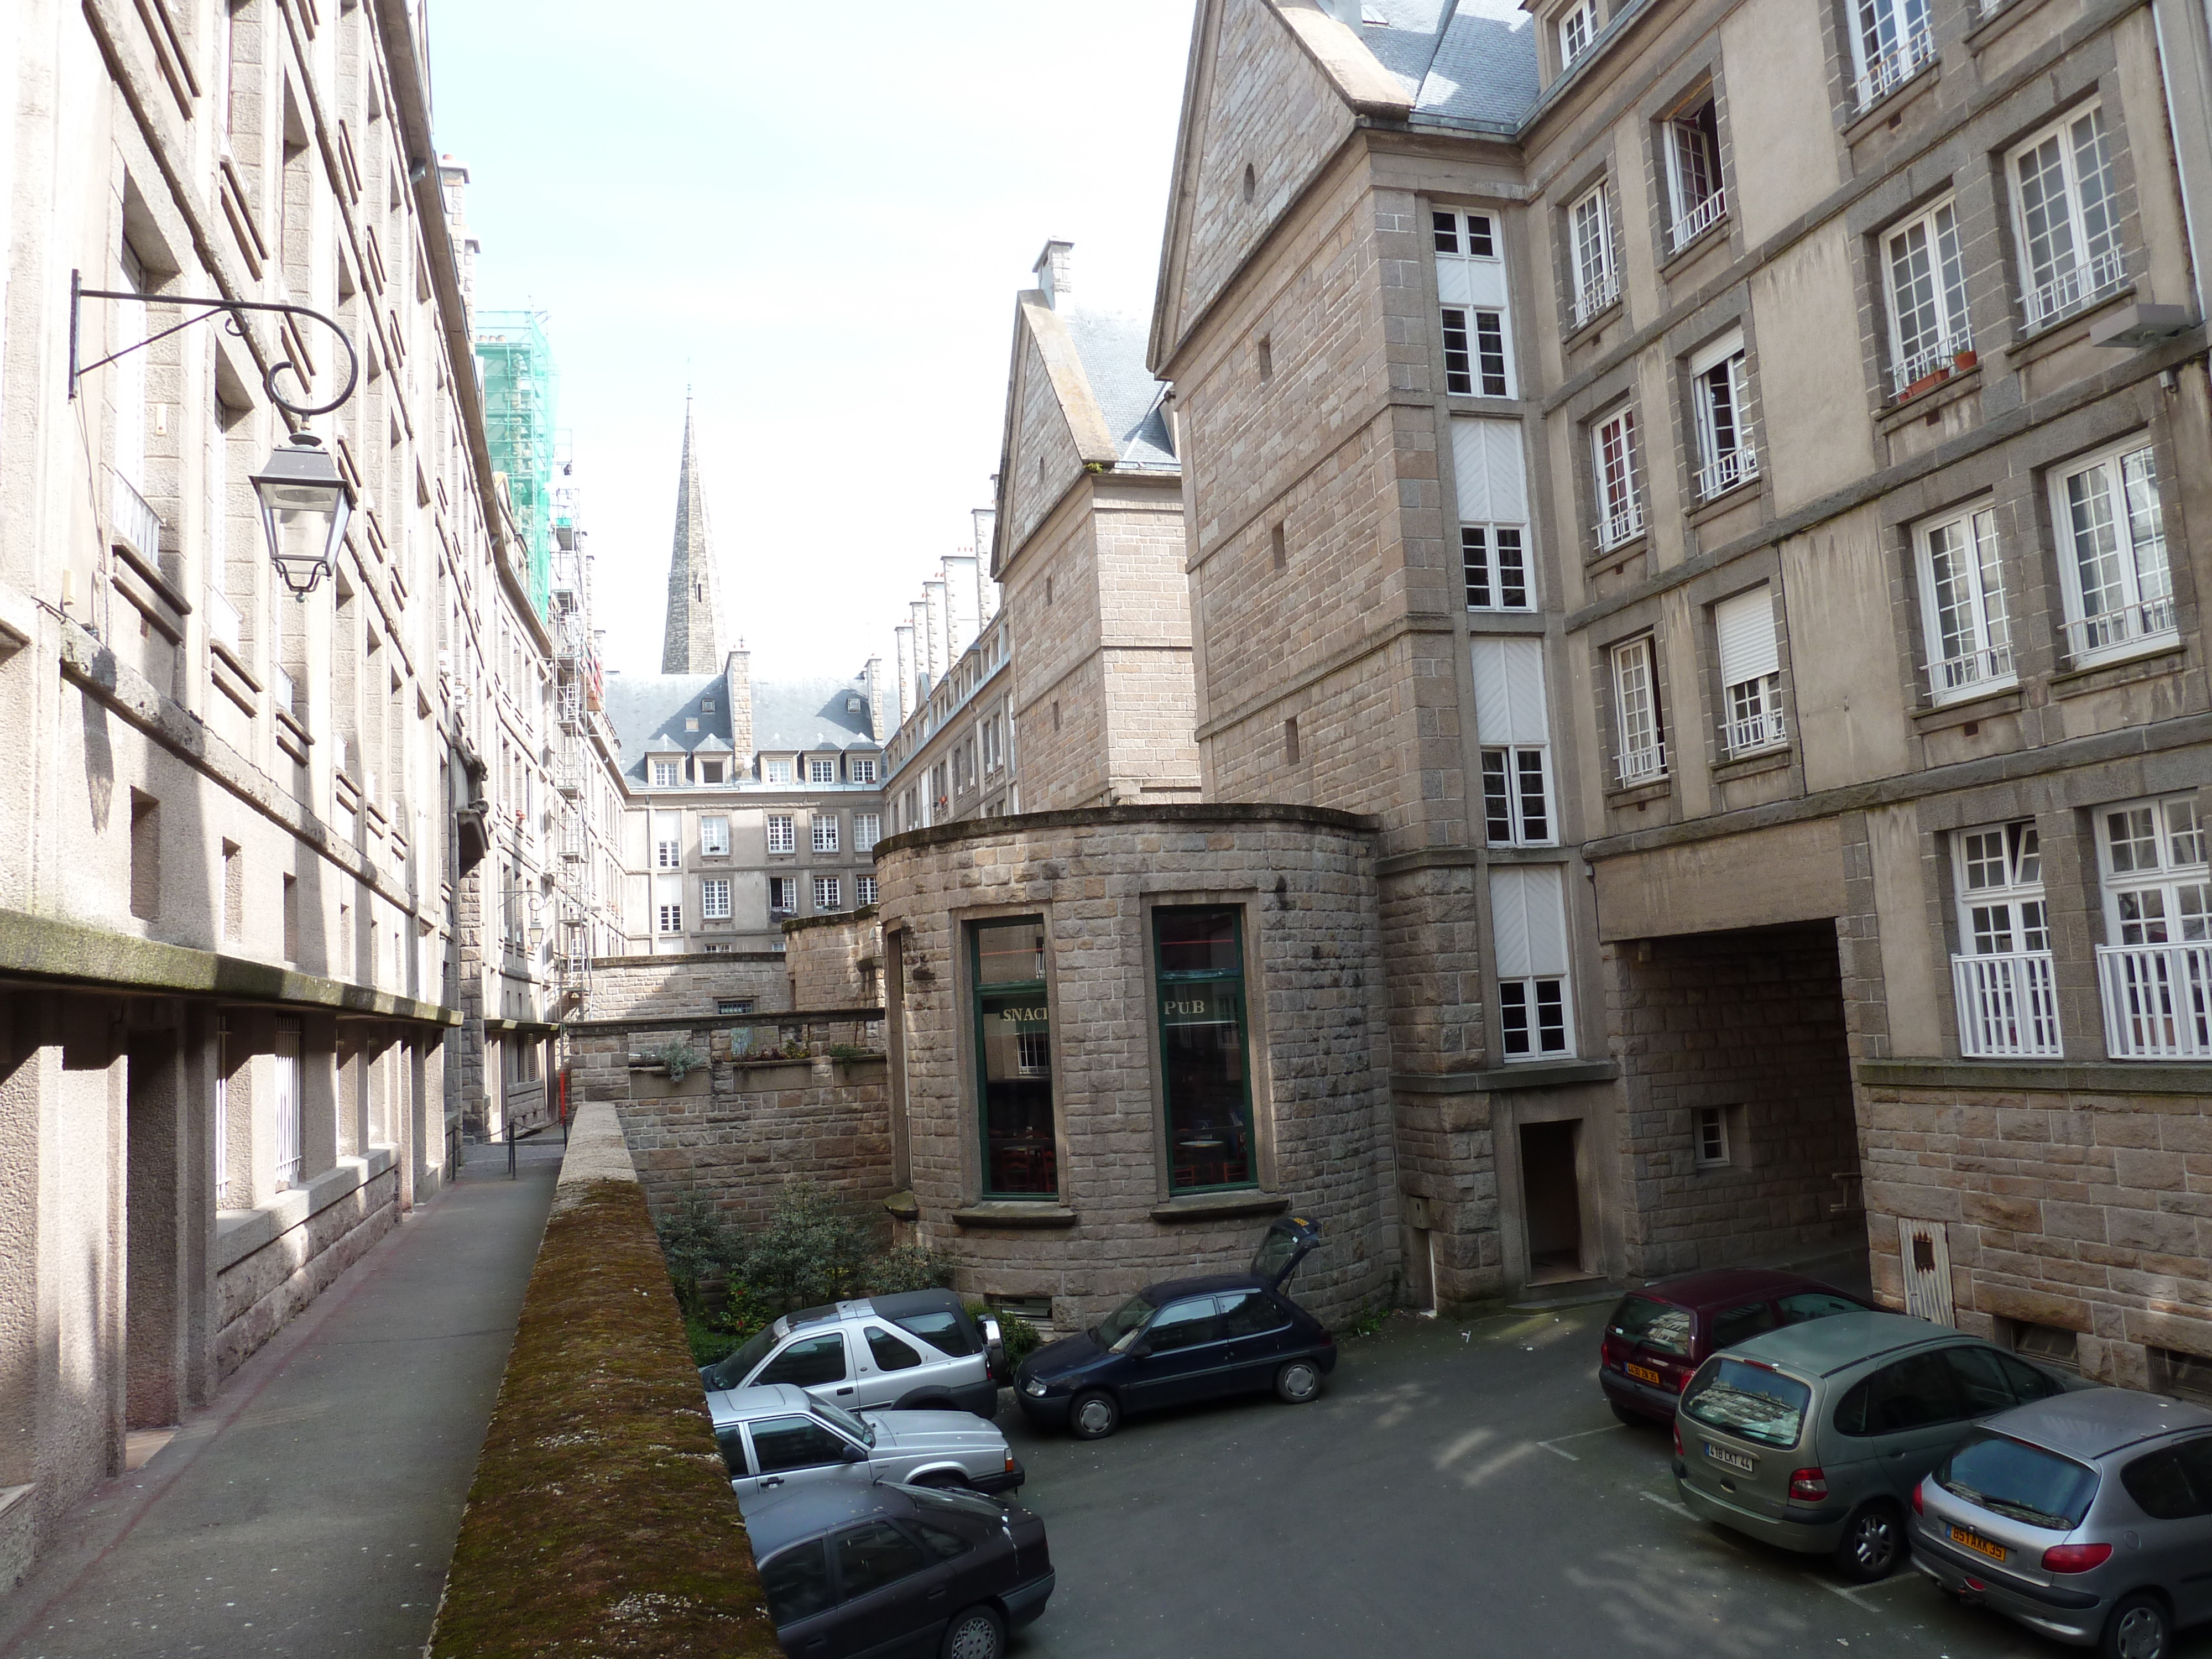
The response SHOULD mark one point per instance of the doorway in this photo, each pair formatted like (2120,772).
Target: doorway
(1551,1200)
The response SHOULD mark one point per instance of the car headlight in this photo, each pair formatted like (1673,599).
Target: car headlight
(1033,1388)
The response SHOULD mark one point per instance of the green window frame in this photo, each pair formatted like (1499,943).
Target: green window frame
(1205,1038)
(1015,1126)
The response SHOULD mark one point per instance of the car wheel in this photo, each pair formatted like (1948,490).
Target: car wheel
(1297,1380)
(1093,1416)
(2140,1628)
(977,1633)
(945,1480)
(1874,1543)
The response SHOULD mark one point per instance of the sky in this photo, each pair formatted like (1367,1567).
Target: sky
(817,218)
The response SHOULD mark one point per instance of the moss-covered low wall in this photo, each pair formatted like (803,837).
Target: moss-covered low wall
(600,1521)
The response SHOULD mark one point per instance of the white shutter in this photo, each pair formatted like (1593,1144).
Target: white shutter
(1744,625)
(1718,351)
(1527,921)
(1509,690)
(1492,480)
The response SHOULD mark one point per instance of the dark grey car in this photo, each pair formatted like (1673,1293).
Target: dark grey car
(2087,1518)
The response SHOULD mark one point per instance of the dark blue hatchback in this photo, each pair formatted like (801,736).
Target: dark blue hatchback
(1185,1339)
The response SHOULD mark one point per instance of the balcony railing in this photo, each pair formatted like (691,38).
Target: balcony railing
(1752,732)
(1894,67)
(1700,219)
(1624,523)
(1596,294)
(2070,288)
(225,627)
(2108,631)
(280,691)
(2007,1006)
(1724,472)
(133,520)
(2158,1000)
(1644,765)
(1957,676)
(1941,354)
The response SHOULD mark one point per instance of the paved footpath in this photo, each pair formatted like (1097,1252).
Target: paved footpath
(312,1507)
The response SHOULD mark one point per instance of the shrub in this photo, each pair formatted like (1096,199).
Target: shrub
(679,1057)
(1016,1335)
(814,1249)
(907,1267)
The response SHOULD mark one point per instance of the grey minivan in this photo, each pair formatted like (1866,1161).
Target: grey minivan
(1814,1438)
(2088,1518)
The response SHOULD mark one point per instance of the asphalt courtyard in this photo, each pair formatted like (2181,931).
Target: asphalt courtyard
(1459,1489)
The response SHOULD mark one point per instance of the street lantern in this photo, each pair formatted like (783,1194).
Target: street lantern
(305,504)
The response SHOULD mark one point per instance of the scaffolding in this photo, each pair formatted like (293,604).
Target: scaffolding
(521,392)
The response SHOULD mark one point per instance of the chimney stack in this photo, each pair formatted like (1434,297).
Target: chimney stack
(904,635)
(1056,274)
(737,672)
(878,716)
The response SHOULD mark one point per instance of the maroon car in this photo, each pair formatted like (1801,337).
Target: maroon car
(1658,1336)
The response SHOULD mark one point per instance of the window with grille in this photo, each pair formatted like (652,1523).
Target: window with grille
(863,768)
(1962,604)
(715,898)
(1491,482)
(1693,142)
(1726,455)
(2065,218)
(783,895)
(1620,501)
(866,890)
(2118,588)
(822,771)
(668,841)
(829,893)
(776,769)
(1751,672)
(782,836)
(1925,280)
(290,1089)
(1639,738)
(714,837)
(1471,291)
(2156,887)
(1578,28)
(825,832)
(1891,43)
(1712,1130)
(1590,235)
(1512,727)
(672,916)
(1528,934)
(666,774)
(867,829)
(2000,902)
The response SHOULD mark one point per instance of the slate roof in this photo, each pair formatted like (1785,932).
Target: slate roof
(1112,348)
(1463,63)
(647,712)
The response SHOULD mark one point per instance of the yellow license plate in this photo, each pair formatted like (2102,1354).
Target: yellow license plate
(1645,1374)
(1972,1541)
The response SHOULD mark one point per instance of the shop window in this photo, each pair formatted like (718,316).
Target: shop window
(1014,1047)
(1204,1059)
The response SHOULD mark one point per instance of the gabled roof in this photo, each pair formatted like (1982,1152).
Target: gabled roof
(647,712)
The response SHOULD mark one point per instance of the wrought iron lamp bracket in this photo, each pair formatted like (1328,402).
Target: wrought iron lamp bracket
(234,320)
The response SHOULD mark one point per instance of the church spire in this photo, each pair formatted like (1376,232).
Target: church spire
(693,642)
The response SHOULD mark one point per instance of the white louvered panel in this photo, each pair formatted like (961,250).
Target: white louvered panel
(1719,351)
(668,889)
(1744,626)
(1509,690)
(1492,480)
(1455,280)
(1527,921)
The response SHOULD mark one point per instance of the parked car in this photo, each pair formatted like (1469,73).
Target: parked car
(917,1351)
(780,1436)
(1657,1336)
(1814,1436)
(874,1569)
(2087,1518)
(1186,1340)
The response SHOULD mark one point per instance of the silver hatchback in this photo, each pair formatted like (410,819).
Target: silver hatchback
(2087,1518)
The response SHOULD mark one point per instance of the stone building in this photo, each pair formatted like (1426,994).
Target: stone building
(746,802)
(1726,499)
(267,895)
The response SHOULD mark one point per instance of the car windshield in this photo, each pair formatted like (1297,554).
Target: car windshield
(1655,1324)
(837,1416)
(1749,1401)
(2019,1481)
(727,1373)
(1120,1328)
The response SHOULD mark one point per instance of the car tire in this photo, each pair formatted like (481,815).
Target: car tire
(924,1402)
(2140,1628)
(946,1480)
(1297,1381)
(1093,1415)
(976,1632)
(1873,1545)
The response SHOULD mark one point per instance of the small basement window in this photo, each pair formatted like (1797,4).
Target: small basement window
(2189,1375)
(1712,1127)
(2051,1344)
(1037,1309)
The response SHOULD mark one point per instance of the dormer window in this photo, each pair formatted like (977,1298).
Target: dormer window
(667,774)
(705,705)
(1578,28)
(776,769)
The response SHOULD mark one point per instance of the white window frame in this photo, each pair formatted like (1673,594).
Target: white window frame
(822,834)
(2155,968)
(776,768)
(671,917)
(2058,280)
(2001,976)
(1967,624)
(867,830)
(1640,729)
(865,889)
(864,770)
(1513,730)
(714,837)
(819,770)
(1578,28)
(785,889)
(1923,281)
(1613,477)
(667,774)
(782,833)
(1891,42)
(1529,939)
(1490,482)
(1752,717)
(829,893)
(1694,188)
(1590,252)
(2117,493)
(1709,1136)
(1478,352)
(1720,396)
(289,1086)
(715,898)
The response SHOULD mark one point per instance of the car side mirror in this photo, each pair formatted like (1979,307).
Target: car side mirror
(856,1454)
(1140,1349)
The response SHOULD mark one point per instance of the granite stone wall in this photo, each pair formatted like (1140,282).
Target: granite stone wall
(651,987)
(834,961)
